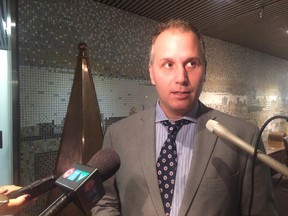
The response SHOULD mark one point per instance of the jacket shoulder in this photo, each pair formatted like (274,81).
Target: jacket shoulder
(135,120)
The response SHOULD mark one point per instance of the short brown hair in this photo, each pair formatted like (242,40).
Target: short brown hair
(181,25)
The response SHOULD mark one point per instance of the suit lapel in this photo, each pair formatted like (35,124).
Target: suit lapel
(203,148)
(146,141)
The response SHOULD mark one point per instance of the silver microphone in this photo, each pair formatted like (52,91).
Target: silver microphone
(222,132)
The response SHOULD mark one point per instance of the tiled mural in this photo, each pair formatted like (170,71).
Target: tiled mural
(241,82)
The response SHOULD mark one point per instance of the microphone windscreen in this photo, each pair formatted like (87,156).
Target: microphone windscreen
(107,161)
(211,124)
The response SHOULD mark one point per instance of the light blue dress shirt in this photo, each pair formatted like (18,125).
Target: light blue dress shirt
(184,143)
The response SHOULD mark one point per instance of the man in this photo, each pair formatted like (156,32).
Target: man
(212,175)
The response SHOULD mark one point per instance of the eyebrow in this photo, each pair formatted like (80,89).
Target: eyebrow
(187,60)
(198,59)
(166,59)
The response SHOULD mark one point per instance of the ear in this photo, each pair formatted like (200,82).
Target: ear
(151,74)
(204,76)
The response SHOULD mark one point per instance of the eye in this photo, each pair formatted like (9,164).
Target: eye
(168,65)
(192,64)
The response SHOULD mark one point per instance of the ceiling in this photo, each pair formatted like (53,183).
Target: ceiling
(260,25)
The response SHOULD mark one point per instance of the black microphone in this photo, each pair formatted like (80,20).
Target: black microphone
(222,132)
(41,186)
(84,184)
(36,188)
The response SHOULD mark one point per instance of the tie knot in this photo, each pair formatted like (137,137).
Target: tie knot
(175,126)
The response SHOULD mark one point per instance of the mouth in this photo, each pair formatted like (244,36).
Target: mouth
(181,94)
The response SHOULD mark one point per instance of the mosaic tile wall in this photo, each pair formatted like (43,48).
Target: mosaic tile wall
(45,95)
(53,29)
(241,82)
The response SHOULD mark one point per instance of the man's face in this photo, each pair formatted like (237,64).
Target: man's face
(177,70)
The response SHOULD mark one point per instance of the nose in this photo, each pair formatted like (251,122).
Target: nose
(181,76)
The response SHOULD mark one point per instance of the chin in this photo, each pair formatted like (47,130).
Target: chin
(184,109)
(181,110)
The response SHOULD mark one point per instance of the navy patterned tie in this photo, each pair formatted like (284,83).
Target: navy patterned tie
(167,163)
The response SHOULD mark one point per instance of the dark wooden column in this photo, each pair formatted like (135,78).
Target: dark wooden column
(82,134)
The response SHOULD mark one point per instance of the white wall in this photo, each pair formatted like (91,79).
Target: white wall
(5,119)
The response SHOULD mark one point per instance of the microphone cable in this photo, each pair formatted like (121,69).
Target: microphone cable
(255,156)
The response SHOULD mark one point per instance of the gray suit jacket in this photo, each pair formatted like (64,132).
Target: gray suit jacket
(219,178)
